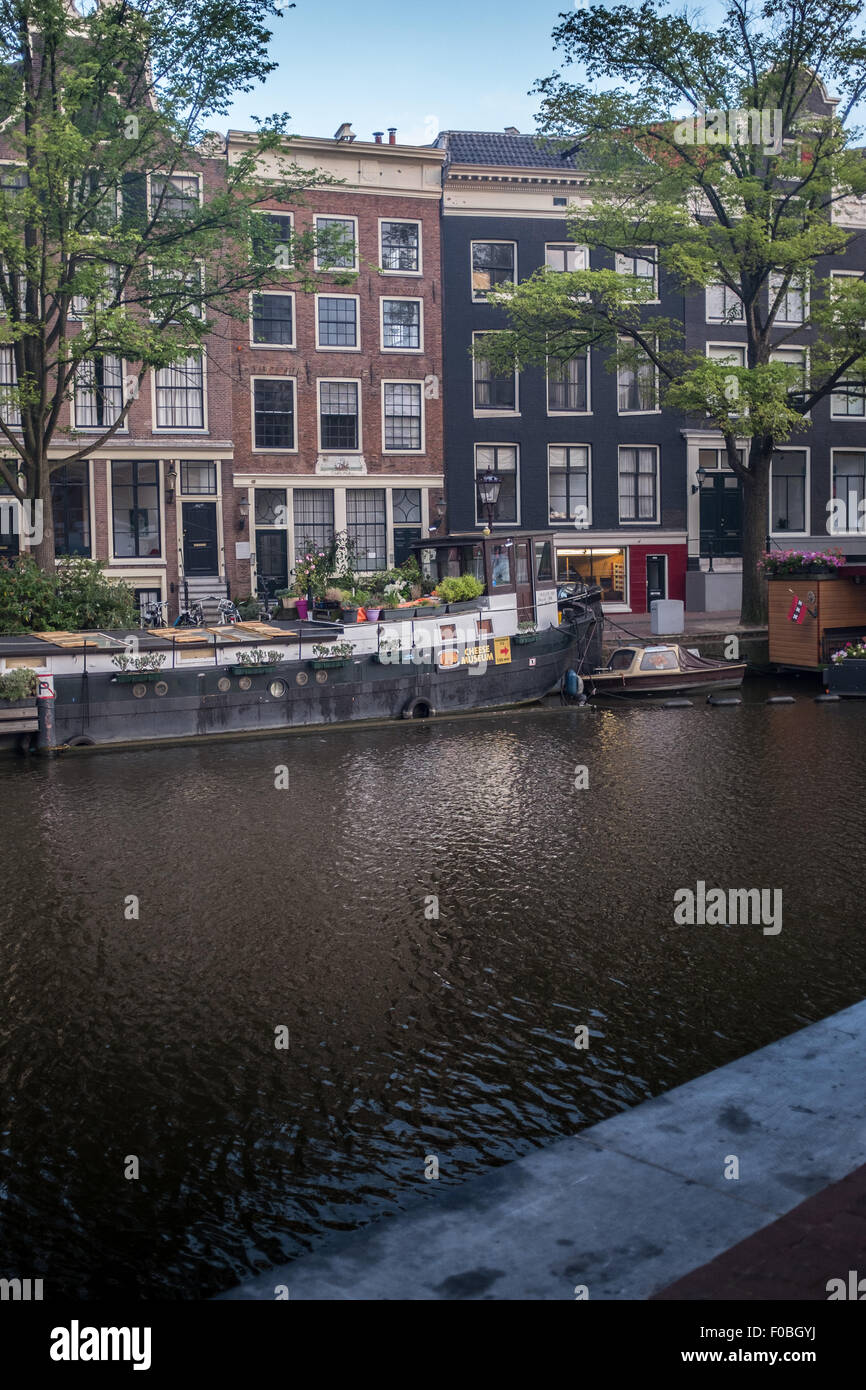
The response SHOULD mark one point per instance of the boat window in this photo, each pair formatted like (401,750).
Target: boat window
(543,566)
(621,660)
(501,566)
(659,661)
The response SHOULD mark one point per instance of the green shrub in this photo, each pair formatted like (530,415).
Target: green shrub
(18,684)
(77,596)
(459,588)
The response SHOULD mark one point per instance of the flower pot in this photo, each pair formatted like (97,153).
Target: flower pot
(430,610)
(393,615)
(846,677)
(349,613)
(302,609)
(328,663)
(246,668)
(465,606)
(130,677)
(373,614)
(522,638)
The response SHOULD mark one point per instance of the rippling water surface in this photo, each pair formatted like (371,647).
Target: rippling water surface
(309,908)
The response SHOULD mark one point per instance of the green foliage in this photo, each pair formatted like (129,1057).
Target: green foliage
(147,661)
(18,684)
(76,597)
(459,588)
(336,650)
(258,656)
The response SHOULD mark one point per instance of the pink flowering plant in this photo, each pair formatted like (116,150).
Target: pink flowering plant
(312,571)
(797,561)
(852,651)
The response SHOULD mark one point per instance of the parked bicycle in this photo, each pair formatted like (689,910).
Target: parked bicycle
(193,616)
(228,612)
(268,604)
(152,614)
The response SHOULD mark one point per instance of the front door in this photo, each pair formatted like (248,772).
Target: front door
(523,581)
(656,578)
(722,515)
(200,538)
(272,565)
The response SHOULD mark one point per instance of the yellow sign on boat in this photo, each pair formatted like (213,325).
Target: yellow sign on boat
(502,646)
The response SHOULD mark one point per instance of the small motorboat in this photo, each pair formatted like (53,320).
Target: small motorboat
(662,670)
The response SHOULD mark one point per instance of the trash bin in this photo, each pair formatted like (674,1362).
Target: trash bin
(667,616)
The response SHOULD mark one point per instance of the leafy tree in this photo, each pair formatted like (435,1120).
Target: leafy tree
(742,203)
(104,108)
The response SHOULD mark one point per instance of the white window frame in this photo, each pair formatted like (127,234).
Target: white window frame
(497,444)
(656,409)
(640,521)
(588,411)
(175,174)
(181,275)
(561,523)
(566,245)
(849,275)
(636,255)
(76,315)
(841,415)
(136,561)
(275,347)
(336,381)
(98,429)
(807,500)
(488,241)
(272,449)
(405,381)
(849,529)
(715,318)
(402,299)
(339,347)
(410,221)
(773,282)
(278,212)
(182,429)
(335,217)
(481,413)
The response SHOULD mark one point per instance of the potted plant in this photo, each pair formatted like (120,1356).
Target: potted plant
(460,592)
(254,659)
(146,667)
(289,601)
(328,654)
(776,564)
(353,604)
(846,674)
(396,593)
(18,686)
(526,632)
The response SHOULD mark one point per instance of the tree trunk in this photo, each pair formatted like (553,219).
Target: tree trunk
(756,510)
(43,549)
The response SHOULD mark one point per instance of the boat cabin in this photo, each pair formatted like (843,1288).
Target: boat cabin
(516,569)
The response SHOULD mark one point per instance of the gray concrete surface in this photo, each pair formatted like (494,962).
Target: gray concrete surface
(625,1207)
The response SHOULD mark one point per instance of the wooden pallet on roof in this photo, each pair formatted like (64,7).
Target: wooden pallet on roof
(65,639)
(188,636)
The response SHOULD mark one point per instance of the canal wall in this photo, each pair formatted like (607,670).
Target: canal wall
(625,1208)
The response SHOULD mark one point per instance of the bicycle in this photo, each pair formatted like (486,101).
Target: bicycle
(228,612)
(190,617)
(152,614)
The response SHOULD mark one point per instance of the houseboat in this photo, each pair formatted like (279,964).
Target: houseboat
(512,645)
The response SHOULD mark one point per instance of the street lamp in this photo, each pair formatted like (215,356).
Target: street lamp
(243,512)
(488,485)
(700,473)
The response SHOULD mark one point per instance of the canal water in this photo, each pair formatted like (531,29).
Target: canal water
(430,910)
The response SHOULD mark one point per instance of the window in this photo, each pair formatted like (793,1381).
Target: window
(174,195)
(314,518)
(135,508)
(401,246)
(793,306)
(8,383)
(98,392)
(788,491)
(12,180)
(641,263)
(849,485)
(270,506)
(638,484)
(402,415)
(273,412)
(659,661)
(566,256)
(493,264)
(365,523)
(733,354)
(99,202)
(338,415)
(271,238)
(492,391)
(568,482)
(500,459)
(406,508)
(606,568)
(401,325)
(198,477)
(105,297)
(723,305)
(636,385)
(180,395)
(793,357)
(543,561)
(566,384)
(70,504)
(849,398)
(336,321)
(336,243)
(174,292)
(273,320)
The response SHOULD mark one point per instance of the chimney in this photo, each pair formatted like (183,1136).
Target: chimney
(377,136)
(392,135)
(511,130)
(344,132)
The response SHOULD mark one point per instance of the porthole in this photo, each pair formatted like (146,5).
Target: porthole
(321,677)
(161,688)
(139,690)
(245,682)
(277,689)
(302,678)
(224,684)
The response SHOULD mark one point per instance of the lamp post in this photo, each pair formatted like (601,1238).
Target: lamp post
(243,512)
(489,486)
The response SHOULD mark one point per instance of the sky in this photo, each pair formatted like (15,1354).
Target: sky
(419,65)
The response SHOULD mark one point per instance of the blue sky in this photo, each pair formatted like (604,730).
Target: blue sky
(421,67)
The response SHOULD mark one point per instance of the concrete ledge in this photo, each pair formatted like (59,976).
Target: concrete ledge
(628,1206)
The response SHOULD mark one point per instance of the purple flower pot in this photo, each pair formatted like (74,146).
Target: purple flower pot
(302,609)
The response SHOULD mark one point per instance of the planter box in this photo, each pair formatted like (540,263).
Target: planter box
(522,638)
(837,603)
(431,610)
(466,605)
(846,677)
(241,669)
(349,614)
(397,615)
(329,663)
(130,677)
